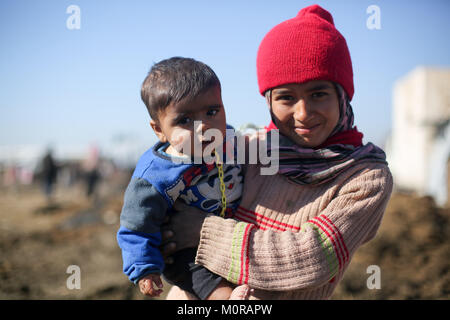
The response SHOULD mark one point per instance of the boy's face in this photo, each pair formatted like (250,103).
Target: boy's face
(306,113)
(176,122)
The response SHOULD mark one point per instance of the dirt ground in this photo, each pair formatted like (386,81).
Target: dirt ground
(412,250)
(38,242)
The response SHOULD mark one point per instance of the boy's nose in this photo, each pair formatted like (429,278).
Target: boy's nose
(205,126)
(201,127)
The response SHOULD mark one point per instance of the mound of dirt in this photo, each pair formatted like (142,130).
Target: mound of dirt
(412,251)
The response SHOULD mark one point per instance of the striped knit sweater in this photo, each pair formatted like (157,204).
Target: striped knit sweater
(295,242)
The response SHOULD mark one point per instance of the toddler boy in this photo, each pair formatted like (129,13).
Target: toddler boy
(177,92)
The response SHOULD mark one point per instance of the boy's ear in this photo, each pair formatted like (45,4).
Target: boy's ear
(157,129)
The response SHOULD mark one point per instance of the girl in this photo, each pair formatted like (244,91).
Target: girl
(295,232)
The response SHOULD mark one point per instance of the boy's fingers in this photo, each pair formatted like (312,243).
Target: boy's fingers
(158,282)
(158,292)
(154,292)
(149,290)
(143,286)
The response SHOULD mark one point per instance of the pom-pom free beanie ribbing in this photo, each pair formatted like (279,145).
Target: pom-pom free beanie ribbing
(307,47)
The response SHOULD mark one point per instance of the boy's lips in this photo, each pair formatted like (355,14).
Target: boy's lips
(306,130)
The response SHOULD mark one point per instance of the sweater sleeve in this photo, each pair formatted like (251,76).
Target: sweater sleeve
(280,261)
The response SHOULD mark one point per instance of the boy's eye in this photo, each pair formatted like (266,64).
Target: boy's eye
(184,120)
(212,112)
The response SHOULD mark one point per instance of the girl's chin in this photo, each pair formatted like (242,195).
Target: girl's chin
(306,142)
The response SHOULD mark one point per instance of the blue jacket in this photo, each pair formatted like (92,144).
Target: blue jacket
(156,184)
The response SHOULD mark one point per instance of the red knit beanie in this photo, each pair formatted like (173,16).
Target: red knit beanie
(307,47)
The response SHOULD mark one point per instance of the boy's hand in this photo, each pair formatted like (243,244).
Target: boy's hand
(146,285)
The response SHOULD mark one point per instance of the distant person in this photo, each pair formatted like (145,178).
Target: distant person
(49,171)
(177,92)
(92,178)
(91,171)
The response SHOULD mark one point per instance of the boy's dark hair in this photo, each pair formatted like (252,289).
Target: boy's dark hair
(171,80)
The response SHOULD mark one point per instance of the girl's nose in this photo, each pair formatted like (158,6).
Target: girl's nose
(301,111)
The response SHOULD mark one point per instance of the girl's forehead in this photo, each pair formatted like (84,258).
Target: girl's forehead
(308,86)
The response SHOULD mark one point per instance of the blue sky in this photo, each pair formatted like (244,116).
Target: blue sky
(64,86)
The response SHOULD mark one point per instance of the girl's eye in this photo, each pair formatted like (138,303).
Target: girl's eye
(319,94)
(285,97)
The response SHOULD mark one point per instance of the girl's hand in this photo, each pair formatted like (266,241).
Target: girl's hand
(182,230)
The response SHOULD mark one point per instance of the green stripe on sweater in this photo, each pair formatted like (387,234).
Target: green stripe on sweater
(235,265)
(327,247)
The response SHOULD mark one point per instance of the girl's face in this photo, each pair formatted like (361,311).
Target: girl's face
(306,113)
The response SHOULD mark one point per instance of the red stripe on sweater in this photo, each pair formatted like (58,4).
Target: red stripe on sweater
(244,254)
(258,222)
(239,216)
(330,237)
(340,235)
(247,257)
(271,220)
(339,239)
(334,238)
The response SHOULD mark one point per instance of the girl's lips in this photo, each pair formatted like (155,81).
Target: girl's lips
(306,130)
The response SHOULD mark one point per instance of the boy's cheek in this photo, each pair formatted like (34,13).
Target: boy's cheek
(180,140)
